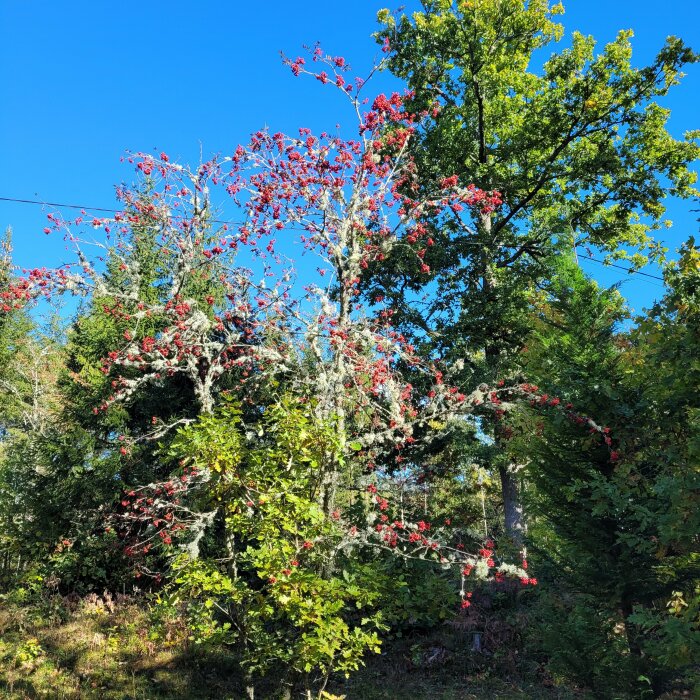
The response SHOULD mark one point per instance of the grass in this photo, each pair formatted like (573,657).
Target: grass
(426,669)
(108,649)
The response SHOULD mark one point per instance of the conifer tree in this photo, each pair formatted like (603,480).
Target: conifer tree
(616,509)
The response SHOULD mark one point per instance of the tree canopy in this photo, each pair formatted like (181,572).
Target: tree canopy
(448,425)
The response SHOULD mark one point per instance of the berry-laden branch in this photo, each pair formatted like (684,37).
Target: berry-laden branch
(350,202)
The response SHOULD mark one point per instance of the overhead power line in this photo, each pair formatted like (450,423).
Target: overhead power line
(621,267)
(218,221)
(90,209)
(56,204)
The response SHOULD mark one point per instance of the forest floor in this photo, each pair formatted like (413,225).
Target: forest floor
(97,648)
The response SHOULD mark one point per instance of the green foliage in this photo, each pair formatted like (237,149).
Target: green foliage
(286,594)
(577,147)
(623,520)
(417,596)
(671,635)
(266,575)
(581,641)
(63,471)
(578,150)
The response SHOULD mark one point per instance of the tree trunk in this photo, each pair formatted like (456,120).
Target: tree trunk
(514,516)
(514,519)
(203,394)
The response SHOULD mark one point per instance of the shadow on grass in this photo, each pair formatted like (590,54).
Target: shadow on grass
(180,677)
(110,655)
(110,652)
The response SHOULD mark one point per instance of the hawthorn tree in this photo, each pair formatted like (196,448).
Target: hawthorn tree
(347,198)
(576,145)
(180,305)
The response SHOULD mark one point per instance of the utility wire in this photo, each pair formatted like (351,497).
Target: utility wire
(218,221)
(56,204)
(90,209)
(621,267)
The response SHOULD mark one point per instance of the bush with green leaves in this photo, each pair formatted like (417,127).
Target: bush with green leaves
(272,576)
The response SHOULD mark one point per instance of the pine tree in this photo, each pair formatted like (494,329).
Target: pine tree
(616,509)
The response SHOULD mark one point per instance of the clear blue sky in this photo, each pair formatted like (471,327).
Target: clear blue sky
(82,82)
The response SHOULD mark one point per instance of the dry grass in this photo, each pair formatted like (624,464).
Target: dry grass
(107,650)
